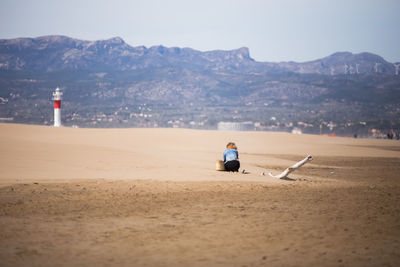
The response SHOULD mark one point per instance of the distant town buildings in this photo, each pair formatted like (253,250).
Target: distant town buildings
(236,126)
(297,131)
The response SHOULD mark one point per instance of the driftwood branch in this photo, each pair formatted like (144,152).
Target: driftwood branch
(286,172)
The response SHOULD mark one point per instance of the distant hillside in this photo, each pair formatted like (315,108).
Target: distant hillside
(55,53)
(109,83)
(344,63)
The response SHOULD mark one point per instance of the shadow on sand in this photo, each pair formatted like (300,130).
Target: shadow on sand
(288,179)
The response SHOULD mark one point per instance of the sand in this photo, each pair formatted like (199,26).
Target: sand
(152,197)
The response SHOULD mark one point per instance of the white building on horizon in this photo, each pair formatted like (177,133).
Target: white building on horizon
(236,126)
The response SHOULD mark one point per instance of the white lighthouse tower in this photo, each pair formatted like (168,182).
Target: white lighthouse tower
(57,107)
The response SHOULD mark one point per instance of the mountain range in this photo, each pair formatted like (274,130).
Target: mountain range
(55,53)
(113,81)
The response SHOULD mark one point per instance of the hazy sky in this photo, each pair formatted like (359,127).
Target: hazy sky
(273,30)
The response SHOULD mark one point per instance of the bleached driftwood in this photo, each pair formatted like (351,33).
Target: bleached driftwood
(286,172)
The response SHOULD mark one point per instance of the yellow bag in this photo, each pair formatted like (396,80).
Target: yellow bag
(219,165)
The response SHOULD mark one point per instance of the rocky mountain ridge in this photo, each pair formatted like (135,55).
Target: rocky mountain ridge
(55,53)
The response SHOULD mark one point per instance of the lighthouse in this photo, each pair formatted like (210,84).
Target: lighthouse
(57,107)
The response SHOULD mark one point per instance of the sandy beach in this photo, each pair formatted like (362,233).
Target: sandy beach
(152,197)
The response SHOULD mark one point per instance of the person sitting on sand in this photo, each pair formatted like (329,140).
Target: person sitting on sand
(231,158)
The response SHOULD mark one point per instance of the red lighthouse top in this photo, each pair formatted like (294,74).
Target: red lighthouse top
(57,98)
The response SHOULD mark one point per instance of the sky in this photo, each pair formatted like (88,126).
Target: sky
(273,30)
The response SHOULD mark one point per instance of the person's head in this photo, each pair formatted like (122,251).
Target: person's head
(231,145)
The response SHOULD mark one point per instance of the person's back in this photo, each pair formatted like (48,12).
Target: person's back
(230,154)
(231,158)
